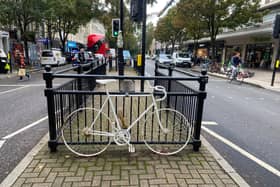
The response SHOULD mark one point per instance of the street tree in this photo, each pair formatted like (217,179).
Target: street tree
(232,14)
(167,31)
(110,9)
(189,17)
(149,35)
(70,15)
(22,14)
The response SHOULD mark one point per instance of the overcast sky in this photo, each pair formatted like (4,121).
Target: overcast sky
(156,8)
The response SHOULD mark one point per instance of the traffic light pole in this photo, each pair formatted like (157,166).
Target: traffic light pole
(143,42)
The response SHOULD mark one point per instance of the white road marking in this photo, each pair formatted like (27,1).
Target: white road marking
(12,90)
(25,128)
(2,143)
(243,152)
(209,123)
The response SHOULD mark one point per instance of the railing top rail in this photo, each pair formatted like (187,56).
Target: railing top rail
(185,73)
(78,92)
(126,77)
(73,68)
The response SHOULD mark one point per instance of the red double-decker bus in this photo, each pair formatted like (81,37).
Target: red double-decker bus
(97,44)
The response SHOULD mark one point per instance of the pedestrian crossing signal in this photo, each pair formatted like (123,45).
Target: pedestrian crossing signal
(115,27)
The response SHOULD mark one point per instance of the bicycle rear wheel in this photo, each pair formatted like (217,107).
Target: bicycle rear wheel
(171,142)
(240,77)
(79,138)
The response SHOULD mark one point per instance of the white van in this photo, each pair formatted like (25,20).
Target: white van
(182,59)
(52,57)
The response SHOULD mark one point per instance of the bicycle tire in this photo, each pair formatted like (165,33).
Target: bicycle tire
(169,143)
(240,78)
(75,136)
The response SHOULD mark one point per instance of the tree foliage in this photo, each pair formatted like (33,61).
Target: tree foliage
(168,30)
(202,18)
(69,15)
(21,14)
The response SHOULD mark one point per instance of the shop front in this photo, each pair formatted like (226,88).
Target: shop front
(259,55)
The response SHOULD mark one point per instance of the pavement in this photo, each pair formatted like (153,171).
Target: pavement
(117,167)
(14,72)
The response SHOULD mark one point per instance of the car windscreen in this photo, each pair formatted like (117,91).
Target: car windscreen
(183,55)
(165,56)
(47,54)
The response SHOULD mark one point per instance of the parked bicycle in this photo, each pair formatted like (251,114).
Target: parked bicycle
(83,126)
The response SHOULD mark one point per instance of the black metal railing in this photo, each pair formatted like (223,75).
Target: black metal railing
(63,100)
(58,105)
(191,107)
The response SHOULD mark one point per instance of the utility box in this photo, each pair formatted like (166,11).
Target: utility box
(139,60)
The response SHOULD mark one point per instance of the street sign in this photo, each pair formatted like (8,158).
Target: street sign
(136,10)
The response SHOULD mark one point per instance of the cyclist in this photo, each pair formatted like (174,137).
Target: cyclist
(235,63)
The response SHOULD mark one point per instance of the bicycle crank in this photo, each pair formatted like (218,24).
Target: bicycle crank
(122,137)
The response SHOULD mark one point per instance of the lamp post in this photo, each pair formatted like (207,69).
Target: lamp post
(120,53)
(143,42)
(120,42)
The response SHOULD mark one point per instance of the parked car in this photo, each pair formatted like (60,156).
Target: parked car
(164,59)
(89,58)
(100,57)
(182,59)
(52,57)
(127,57)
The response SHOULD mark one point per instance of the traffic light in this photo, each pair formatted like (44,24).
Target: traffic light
(115,27)
(276,27)
(136,10)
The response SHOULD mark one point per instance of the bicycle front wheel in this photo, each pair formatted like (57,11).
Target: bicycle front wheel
(170,140)
(80,138)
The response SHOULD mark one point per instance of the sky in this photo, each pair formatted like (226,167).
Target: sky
(156,8)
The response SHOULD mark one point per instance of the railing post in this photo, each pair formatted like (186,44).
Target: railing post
(156,73)
(203,80)
(80,87)
(48,77)
(170,73)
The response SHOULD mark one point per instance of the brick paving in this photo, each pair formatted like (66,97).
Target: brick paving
(117,167)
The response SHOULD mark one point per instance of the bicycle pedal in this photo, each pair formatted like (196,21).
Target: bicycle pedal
(131,148)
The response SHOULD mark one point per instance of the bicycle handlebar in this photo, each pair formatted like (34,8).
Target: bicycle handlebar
(160,89)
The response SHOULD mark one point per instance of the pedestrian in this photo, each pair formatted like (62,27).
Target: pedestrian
(22,67)
(81,56)
(110,62)
(235,63)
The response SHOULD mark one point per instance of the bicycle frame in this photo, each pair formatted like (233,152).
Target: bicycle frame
(108,99)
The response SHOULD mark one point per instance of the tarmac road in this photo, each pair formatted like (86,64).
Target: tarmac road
(247,130)
(22,104)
